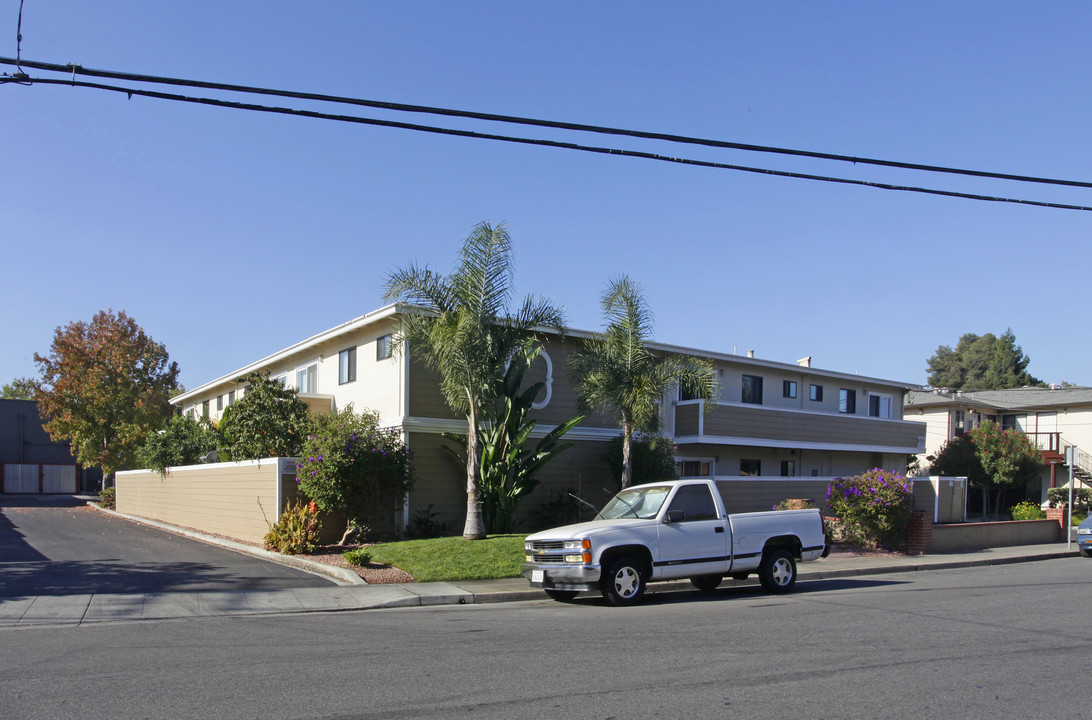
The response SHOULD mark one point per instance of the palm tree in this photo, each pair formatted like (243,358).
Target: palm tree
(461,328)
(616,372)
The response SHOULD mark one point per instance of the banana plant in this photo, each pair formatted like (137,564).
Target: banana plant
(507,466)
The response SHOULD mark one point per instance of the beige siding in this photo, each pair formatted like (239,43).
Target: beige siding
(238,500)
(788,427)
(441,482)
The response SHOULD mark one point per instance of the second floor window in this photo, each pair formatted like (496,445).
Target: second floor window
(879,406)
(383,348)
(847,401)
(788,388)
(346,366)
(816,393)
(752,389)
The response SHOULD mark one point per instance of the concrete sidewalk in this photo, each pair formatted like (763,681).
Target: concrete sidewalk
(85,609)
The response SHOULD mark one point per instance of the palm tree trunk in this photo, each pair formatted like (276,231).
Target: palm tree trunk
(474,529)
(627,460)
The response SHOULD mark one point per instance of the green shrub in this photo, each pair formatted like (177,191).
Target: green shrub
(182,441)
(795,504)
(359,557)
(297,532)
(350,464)
(874,508)
(108,498)
(1027,510)
(1059,497)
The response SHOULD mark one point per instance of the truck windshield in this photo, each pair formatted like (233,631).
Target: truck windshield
(639,502)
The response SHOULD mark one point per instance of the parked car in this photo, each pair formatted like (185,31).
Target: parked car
(1084,537)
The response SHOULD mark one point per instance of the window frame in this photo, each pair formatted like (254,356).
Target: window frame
(847,401)
(754,387)
(815,393)
(757,467)
(880,397)
(383,350)
(789,389)
(346,366)
(307,368)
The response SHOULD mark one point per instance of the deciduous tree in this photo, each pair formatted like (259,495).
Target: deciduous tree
(268,421)
(21,388)
(105,385)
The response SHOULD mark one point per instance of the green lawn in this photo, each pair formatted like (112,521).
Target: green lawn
(451,558)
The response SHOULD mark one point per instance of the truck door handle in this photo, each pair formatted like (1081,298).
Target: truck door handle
(719,529)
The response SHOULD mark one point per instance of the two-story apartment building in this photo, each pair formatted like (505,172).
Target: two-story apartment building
(1055,418)
(771,420)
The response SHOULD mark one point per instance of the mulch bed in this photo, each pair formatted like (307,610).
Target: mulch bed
(373,573)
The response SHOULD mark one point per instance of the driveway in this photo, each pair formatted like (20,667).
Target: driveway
(59,546)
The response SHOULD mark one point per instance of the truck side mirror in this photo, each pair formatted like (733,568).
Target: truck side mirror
(674,516)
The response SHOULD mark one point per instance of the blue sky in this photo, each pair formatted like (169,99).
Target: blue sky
(229,235)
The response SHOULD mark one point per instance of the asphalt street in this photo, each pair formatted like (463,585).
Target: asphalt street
(1007,641)
(67,548)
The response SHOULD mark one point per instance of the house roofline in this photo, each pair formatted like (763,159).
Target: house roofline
(396,309)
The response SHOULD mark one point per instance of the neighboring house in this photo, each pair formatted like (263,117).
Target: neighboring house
(772,419)
(30,461)
(1054,418)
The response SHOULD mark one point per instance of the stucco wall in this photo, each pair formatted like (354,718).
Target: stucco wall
(974,536)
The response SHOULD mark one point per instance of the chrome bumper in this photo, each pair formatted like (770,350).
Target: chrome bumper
(563,577)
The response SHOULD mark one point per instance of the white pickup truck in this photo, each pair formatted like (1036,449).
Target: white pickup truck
(671,530)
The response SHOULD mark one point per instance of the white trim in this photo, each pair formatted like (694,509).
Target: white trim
(204,466)
(549,380)
(354,324)
(792,444)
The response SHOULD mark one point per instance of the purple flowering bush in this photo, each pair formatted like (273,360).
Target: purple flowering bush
(349,464)
(874,508)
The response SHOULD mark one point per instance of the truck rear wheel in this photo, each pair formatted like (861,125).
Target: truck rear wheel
(706,583)
(777,571)
(624,582)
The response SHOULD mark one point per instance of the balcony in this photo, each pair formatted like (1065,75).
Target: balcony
(770,427)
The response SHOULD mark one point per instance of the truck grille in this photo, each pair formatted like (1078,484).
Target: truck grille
(548,545)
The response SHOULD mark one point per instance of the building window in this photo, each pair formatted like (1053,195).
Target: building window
(231,398)
(879,406)
(282,378)
(307,378)
(693,468)
(752,389)
(847,401)
(383,347)
(788,468)
(816,393)
(346,366)
(205,409)
(750,467)
(219,403)
(788,388)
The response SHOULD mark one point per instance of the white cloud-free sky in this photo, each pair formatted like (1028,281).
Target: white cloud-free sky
(229,234)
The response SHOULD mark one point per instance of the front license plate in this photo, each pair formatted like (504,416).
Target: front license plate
(537,576)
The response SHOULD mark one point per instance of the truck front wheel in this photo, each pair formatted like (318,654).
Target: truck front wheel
(778,571)
(624,582)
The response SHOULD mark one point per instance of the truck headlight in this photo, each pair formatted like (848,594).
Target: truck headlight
(528,546)
(584,544)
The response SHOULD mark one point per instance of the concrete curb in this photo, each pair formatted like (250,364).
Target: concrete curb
(340,575)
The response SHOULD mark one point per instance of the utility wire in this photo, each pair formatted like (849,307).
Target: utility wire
(530,141)
(134,77)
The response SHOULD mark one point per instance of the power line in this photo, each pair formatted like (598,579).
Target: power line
(23,79)
(532,141)
(554,124)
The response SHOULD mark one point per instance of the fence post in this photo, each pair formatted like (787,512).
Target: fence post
(919,533)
